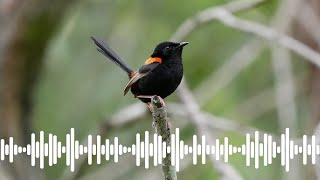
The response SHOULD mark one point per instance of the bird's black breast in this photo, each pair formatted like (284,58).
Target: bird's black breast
(162,81)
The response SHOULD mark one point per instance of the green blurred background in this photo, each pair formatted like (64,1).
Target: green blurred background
(54,79)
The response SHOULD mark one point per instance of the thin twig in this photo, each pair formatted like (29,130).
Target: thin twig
(282,67)
(224,15)
(266,33)
(283,73)
(162,127)
(194,22)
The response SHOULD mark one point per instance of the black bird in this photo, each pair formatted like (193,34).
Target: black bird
(160,75)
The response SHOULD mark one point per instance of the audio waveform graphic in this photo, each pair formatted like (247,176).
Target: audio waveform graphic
(106,150)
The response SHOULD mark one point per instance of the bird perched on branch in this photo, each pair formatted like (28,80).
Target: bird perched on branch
(160,75)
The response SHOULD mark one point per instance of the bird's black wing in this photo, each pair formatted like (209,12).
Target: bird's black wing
(143,71)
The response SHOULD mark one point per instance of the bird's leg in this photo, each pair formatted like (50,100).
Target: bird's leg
(145,96)
(149,106)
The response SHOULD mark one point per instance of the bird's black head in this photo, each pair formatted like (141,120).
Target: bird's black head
(167,50)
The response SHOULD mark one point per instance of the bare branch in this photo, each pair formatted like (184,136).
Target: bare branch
(193,109)
(283,73)
(285,100)
(224,15)
(199,19)
(162,127)
(154,175)
(267,33)
(282,66)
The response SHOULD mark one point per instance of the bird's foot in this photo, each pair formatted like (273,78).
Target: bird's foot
(151,97)
(169,126)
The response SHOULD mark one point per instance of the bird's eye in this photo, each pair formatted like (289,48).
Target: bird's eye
(167,48)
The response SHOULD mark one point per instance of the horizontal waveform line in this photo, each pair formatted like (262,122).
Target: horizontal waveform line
(156,150)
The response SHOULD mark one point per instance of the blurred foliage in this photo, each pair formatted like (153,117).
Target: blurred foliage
(79,88)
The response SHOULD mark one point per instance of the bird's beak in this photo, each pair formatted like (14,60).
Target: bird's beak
(182,44)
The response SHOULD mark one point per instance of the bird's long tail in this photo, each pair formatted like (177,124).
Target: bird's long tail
(109,53)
